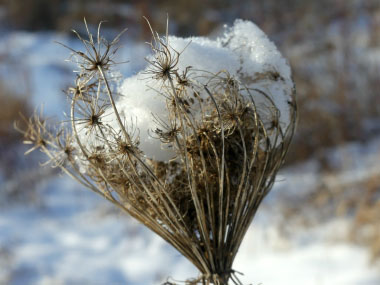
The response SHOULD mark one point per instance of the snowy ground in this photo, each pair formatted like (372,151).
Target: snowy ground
(74,237)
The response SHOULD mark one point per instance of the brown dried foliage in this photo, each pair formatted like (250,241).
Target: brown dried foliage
(201,202)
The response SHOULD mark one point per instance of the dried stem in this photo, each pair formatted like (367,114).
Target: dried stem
(227,154)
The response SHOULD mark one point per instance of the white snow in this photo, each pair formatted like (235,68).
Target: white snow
(244,52)
(75,238)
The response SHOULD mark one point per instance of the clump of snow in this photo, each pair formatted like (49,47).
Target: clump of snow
(244,51)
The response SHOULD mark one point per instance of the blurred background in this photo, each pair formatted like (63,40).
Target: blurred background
(319,225)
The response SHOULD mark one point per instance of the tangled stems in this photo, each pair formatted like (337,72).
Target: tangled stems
(227,153)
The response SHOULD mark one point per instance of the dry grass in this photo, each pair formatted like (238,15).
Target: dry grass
(356,200)
(15,170)
(227,156)
(11,105)
(333,116)
(366,226)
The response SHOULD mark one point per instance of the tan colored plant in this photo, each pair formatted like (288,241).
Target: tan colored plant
(226,153)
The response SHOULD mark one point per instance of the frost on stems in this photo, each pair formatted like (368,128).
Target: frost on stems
(227,153)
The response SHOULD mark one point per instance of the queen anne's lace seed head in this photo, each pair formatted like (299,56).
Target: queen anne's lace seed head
(195,167)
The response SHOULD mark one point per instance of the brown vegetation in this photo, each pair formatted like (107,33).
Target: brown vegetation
(227,156)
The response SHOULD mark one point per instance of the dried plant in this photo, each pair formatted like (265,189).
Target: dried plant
(227,153)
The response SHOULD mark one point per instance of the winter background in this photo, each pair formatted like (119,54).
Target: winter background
(319,225)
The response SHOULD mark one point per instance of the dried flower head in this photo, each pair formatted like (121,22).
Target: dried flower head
(226,134)
(98,54)
(163,63)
